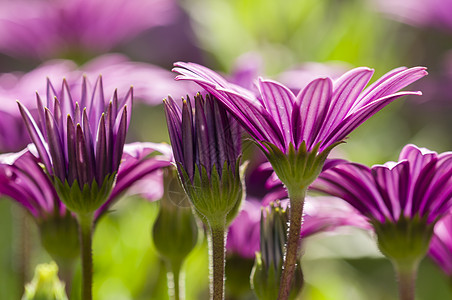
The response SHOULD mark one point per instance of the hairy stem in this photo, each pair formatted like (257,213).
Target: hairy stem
(217,261)
(406,277)
(293,241)
(86,232)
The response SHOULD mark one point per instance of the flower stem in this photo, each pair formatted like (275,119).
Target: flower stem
(293,241)
(175,288)
(406,276)
(217,260)
(86,232)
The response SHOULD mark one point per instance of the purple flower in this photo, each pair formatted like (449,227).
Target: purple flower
(48,28)
(441,244)
(206,144)
(80,141)
(323,113)
(418,185)
(402,201)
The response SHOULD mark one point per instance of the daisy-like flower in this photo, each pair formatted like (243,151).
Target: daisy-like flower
(297,132)
(402,201)
(46,29)
(206,144)
(23,180)
(441,245)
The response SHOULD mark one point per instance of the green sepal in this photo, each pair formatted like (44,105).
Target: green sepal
(60,238)
(215,197)
(297,169)
(45,284)
(405,241)
(175,231)
(86,200)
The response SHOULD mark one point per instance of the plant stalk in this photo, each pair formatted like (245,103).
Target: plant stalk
(406,277)
(296,197)
(176,289)
(86,233)
(217,261)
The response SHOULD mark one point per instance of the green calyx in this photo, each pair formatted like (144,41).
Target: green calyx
(60,238)
(406,241)
(45,284)
(175,231)
(216,198)
(297,169)
(86,200)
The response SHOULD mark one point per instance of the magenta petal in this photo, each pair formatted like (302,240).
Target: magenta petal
(278,101)
(36,136)
(346,90)
(313,102)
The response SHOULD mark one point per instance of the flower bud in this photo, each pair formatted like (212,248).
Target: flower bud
(45,284)
(60,238)
(267,270)
(175,231)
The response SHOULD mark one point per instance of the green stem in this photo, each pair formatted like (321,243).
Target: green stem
(406,276)
(293,241)
(86,232)
(175,287)
(217,261)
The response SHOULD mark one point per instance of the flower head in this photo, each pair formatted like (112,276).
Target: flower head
(402,200)
(80,141)
(206,144)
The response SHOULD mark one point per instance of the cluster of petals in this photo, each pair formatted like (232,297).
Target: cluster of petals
(322,113)
(80,139)
(23,179)
(150,85)
(202,135)
(48,28)
(418,185)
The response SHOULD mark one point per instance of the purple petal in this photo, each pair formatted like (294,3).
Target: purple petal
(36,136)
(313,104)
(278,101)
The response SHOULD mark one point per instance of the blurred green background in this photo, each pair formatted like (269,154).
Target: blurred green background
(284,34)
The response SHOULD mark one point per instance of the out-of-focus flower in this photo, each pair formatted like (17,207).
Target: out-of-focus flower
(441,244)
(45,284)
(59,28)
(151,84)
(402,200)
(432,13)
(322,214)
